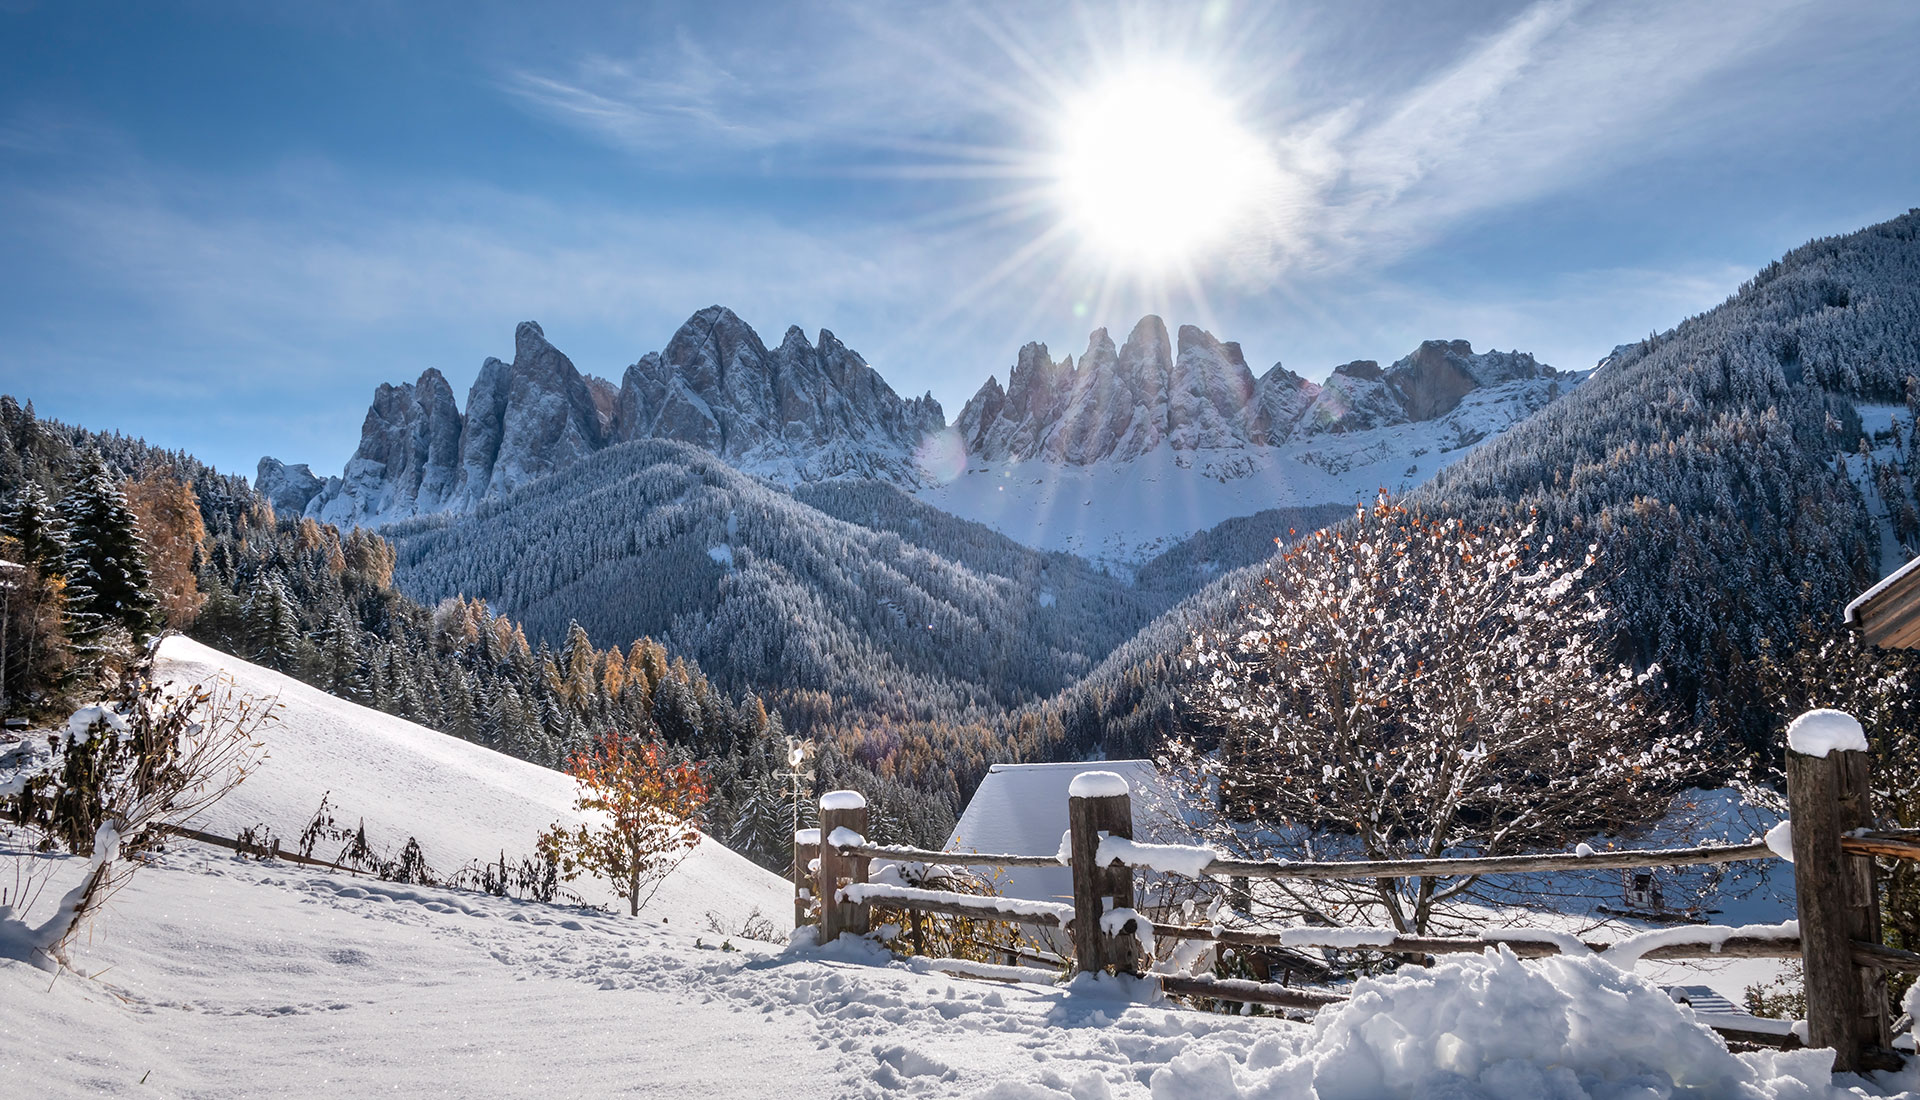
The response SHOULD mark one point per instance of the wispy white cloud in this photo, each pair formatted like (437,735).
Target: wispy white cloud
(1564,95)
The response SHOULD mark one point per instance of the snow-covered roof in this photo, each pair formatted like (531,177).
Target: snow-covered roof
(1886,582)
(1021,809)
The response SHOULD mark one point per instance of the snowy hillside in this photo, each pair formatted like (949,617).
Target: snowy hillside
(461,801)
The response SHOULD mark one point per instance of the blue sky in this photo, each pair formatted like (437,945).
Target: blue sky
(225,223)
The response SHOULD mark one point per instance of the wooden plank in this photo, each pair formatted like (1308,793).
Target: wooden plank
(984,908)
(1493,865)
(1095,886)
(1896,847)
(1863,900)
(1407,868)
(805,889)
(250,849)
(839,869)
(1892,618)
(1885,958)
(953,859)
(1736,947)
(1246,992)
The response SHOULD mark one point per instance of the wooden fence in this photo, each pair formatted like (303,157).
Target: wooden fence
(1833,848)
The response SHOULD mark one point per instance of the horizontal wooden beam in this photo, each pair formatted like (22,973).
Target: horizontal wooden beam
(1388,868)
(983,909)
(1491,865)
(257,850)
(1735,947)
(1246,992)
(1881,844)
(1886,958)
(954,859)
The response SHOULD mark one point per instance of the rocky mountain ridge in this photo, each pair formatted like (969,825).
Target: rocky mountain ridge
(803,411)
(1199,394)
(811,410)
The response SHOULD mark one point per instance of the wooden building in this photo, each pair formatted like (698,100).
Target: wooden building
(1888,614)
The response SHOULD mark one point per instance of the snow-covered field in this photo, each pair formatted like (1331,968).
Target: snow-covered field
(215,976)
(218,977)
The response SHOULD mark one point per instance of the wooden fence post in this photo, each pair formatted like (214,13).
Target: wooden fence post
(1835,896)
(1099,802)
(841,810)
(806,849)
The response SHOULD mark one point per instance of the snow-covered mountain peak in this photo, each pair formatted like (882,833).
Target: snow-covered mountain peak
(800,412)
(1186,436)
(1197,393)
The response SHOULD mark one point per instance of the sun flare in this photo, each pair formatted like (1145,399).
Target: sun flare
(1154,168)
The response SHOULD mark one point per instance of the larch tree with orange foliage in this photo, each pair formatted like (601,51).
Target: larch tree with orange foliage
(169,518)
(643,815)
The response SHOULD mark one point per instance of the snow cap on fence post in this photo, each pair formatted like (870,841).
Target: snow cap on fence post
(843,800)
(1098,784)
(1819,732)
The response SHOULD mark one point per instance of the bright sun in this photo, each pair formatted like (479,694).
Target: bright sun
(1154,169)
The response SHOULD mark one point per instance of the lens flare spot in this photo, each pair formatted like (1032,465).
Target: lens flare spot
(941,456)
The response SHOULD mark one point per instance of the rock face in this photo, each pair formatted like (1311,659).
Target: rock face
(525,419)
(800,412)
(1114,404)
(408,459)
(803,411)
(287,488)
(1199,394)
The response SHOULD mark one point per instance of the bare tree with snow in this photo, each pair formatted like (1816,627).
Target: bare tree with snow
(1410,687)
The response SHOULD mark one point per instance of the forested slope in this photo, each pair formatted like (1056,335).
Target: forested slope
(768,592)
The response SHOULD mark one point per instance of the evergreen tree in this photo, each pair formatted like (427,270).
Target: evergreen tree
(272,627)
(35,527)
(109,608)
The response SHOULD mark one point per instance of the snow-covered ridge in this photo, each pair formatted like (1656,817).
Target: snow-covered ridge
(1198,395)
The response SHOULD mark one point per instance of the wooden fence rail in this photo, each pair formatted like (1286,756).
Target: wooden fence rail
(1833,844)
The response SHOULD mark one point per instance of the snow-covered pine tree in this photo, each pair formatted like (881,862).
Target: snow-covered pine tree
(273,627)
(109,605)
(338,659)
(34,524)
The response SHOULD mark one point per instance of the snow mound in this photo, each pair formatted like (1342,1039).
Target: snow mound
(1780,840)
(1496,1028)
(463,802)
(843,800)
(1097,785)
(1819,732)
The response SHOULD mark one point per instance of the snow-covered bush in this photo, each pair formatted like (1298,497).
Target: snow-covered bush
(110,787)
(1411,687)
